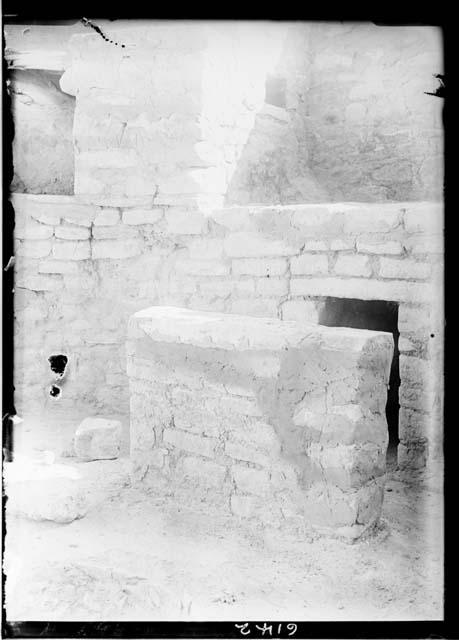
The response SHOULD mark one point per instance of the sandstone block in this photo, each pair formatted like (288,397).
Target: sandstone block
(72,233)
(258,398)
(260,266)
(352,266)
(244,287)
(52,496)
(315,245)
(332,507)
(246,453)
(246,244)
(272,286)
(412,455)
(424,217)
(410,269)
(33,248)
(203,471)
(361,288)
(39,283)
(200,445)
(415,425)
(309,264)
(31,230)
(46,214)
(380,247)
(413,318)
(348,466)
(183,222)
(300,310)
(245,506)
(106,217)
(312,219)
(249,480)
(202,267)
(218,288)
(425,244)
(414,370)
(78,250)
(79,214)
(205,248)
(417,397)
(115,232)
(407,346)
(374,218)
(258,307)
(98,439)
(142,216)
(234,218)
(116,249)
(229,405)
(342,244)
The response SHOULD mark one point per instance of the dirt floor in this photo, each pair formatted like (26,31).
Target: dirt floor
(136,557)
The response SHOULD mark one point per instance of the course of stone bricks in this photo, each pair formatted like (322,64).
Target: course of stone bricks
(194,205)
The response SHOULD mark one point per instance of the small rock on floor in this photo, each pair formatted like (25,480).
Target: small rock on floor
(98,439)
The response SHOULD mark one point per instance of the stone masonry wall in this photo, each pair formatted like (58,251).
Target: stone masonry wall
(43,123)
(168,113)
(357,123)
(244,412)
(372,132)
(180,109)
(83,269)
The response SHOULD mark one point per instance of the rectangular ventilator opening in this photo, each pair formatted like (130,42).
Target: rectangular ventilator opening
(374,315)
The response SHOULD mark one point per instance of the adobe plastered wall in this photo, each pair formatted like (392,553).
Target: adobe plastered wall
(373,134)
(43,139)
(239,411)
(357,124)
(82,269)
(167,113)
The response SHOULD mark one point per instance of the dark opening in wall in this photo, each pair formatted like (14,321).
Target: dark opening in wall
(276,87)
(54,391)
(43,152)
(375,315)
(58,364)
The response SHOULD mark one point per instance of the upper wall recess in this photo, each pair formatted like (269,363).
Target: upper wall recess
(43,152)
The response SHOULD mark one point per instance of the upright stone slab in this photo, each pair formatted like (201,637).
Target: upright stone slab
(278,420)
(98,439)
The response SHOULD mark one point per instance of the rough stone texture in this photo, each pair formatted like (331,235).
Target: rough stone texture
(43,121)
(216,129)
(160,145)
(168,115)
(75,296)
(242,410)
(98,439)
(373,133)
(45,492)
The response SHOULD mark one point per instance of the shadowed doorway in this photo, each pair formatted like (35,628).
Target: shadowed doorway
(374,315)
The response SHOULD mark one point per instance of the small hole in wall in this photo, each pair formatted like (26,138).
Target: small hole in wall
(54,392)
(58,364)
(432,335)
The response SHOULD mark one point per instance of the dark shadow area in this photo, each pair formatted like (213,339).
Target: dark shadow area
(374,315)
(58,364)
